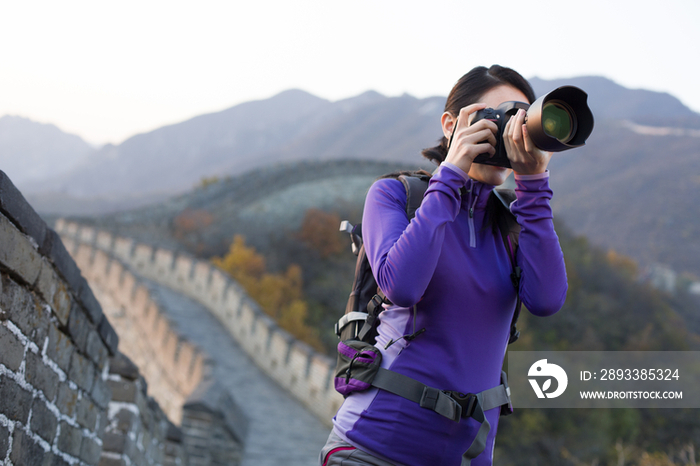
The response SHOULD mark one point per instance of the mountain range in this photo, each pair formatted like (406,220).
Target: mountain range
(631,188)
(36,152)
(296,125)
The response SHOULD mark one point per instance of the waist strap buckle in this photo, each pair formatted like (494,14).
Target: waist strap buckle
(441,402)
(467,401)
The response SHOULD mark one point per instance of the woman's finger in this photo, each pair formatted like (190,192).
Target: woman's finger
(517,133)
(484,124)
(465,112)
(529,145)
(484,135)
(477,143)
(484,148)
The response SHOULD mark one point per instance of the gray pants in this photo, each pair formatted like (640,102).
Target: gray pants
(347,455)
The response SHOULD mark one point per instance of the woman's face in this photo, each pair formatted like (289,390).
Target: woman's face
(490,174)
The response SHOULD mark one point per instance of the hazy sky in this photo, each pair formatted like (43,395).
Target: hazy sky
(108,70)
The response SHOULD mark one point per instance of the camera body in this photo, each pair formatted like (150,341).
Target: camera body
(499,115)
(558,121)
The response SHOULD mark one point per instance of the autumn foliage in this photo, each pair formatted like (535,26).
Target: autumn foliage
(279,295)
(319,231)
(192,220)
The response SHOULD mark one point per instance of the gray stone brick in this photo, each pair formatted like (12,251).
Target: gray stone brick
(82,371)
(15,402)
(67,400)
(24,310)
(90,451)
(62,303)
(47,281)
(70,439)
(90,303)
(86,414)
(108,335)
(3,314)
(114,442)
(60,348)
(134,453)
(58,461)
(120,364)
(43,421)
(96,349)
(17,253)
(4,440)
(41,376)
(101,393)
(12,350)
(102,422)
(12,295)
(36,325)
(26,451)
(123,390)
(53,290)
(78,326)
(105,461)
(54,249)
(16,207)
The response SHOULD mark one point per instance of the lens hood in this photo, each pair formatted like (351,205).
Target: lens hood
(582,119)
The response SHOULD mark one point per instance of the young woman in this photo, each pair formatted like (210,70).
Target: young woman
(451,265)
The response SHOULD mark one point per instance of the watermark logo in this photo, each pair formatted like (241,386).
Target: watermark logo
(544,369)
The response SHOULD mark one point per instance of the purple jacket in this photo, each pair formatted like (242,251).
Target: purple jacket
(458,274)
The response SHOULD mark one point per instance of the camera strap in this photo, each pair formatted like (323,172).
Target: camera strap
(454,130)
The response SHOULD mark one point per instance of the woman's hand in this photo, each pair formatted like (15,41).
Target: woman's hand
(525,158)
(470,141)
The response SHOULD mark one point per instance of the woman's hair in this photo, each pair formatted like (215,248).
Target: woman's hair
(470,89)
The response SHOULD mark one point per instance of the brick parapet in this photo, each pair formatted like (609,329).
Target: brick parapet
(308,375)
(205,423)
(175,368)
(172,365)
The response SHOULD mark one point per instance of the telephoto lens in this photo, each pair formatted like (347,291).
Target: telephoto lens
(559,120)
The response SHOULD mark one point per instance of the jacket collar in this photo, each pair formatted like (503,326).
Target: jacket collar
(480,190)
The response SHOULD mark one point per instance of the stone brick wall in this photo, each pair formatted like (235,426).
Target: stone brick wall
(54,346)
(295,366)
(67,396)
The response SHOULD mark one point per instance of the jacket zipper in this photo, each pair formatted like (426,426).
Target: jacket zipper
(472,230)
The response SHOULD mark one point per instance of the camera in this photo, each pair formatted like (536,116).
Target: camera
(559,120)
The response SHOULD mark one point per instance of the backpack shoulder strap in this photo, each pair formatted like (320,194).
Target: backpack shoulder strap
(415,186)
(366,299)
(511,229)
(510,232)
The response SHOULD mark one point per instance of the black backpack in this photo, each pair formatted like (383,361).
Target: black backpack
(366,300)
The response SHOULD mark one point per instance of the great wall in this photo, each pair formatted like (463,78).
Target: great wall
(118,353)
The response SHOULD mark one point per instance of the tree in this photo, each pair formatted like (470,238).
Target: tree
(279,295)
(319,231)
